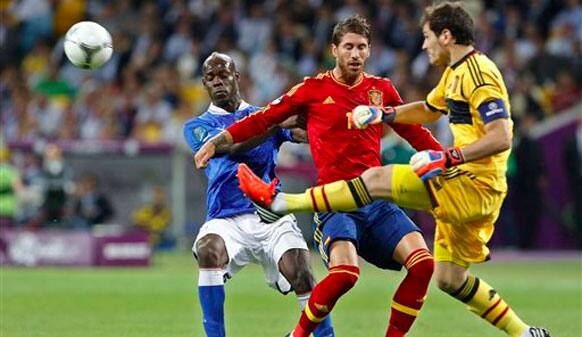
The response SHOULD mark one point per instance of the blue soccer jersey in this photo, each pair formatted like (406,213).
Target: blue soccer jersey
(224,197)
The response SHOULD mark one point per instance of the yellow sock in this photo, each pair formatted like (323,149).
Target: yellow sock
(484,301)
(337,196)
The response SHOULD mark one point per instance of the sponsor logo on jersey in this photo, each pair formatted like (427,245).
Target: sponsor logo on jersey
(329,100)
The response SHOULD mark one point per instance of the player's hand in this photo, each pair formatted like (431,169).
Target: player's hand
(203,155)
(430,163)
(364,115)
(294,122)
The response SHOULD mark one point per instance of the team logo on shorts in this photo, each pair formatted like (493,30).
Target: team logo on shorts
(375,97)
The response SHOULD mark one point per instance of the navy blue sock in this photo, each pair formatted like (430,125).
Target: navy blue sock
(211,295)
(324,329)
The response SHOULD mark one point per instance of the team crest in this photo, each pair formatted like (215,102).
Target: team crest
(200,133)
(375,97)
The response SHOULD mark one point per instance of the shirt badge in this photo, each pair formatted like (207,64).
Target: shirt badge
(375,97)
(200,133)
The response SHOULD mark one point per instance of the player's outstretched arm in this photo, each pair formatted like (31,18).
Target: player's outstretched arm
(411,113)
(214,145)
(497,138)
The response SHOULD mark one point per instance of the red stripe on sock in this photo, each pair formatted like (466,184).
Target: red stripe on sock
(324,296)
(491,308)
(315,208)
(411,292)
(325,198)
(414,253)
(500,315)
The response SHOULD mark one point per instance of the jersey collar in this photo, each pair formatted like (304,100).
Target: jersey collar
(464,58)
(213,109)
(358,82)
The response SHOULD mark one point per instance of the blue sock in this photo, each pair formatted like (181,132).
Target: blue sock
(211,295)
(324,329)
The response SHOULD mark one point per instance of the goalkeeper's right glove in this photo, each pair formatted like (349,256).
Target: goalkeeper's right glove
(364,115)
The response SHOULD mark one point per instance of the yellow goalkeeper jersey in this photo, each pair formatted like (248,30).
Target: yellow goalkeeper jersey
(472,93)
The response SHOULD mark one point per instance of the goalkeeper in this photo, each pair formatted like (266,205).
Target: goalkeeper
(463,186)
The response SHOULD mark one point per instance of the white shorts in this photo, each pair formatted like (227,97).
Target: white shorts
(249,240)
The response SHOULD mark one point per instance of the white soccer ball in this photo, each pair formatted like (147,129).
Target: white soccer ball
(88,45)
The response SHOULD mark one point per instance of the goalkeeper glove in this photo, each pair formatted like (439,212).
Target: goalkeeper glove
(364,115)
(427,164)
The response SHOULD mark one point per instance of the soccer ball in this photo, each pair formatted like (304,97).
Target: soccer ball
(88,45)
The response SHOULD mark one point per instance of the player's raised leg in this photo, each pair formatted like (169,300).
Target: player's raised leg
(344,195)
(343,275)
(212,259)
(295,266)
(408,299)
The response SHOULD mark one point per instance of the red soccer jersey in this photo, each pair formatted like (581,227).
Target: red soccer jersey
(339,150)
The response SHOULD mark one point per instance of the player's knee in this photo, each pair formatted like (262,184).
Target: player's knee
(378,181)
(345,277)
(448,283)
(423,270)
(211,252)
(302,280)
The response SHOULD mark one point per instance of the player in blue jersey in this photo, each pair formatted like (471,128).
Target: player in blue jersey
(236,231)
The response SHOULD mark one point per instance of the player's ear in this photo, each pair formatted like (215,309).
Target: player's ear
(237,75)
(445,36)
(334,50)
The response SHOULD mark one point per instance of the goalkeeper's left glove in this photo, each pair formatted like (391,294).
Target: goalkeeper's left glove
(429,163)
(364,115)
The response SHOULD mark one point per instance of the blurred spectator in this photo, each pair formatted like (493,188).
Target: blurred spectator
(155,216)
(530,180)
(567,91)
(573,164)
(152,114)
(36,19)
(57,185)
(11,188)
(91,206)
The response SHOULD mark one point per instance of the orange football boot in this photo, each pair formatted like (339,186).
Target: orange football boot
(255,188)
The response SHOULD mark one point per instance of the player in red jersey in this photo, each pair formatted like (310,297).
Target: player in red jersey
(381,233)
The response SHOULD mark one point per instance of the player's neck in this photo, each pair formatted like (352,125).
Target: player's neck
(230,106)
(340,76)
(458,52)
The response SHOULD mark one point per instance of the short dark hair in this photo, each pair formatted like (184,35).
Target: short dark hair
(451,16)
(356,24)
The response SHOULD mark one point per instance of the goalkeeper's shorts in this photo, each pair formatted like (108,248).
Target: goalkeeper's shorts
(465,211)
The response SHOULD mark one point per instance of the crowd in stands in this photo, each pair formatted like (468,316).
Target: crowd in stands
(151,85)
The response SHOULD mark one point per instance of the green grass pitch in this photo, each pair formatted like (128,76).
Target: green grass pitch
(161,302)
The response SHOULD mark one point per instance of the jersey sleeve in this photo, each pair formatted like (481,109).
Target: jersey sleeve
(435,100)
(197,132)
(392,96)
(488,99)
(417,136)
(276,112)
(285,135)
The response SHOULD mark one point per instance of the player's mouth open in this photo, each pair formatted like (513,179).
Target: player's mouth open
(354,65)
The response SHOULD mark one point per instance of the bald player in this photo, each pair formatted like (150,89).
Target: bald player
(236,231)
